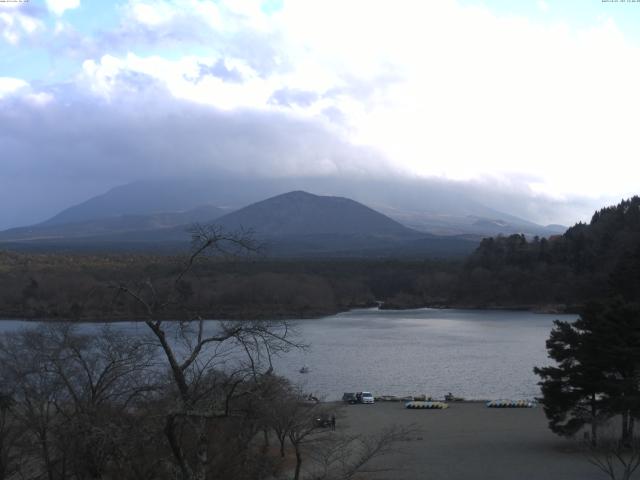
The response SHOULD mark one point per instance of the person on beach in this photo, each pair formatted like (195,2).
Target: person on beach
(333,421)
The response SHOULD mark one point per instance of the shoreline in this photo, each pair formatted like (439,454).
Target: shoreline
(537,309)
(560,309)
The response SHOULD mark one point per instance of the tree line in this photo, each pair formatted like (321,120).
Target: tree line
(589,261)
(76,287)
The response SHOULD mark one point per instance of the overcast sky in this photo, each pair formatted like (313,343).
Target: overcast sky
(536,97)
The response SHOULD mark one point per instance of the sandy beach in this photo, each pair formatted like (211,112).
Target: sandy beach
(469,441)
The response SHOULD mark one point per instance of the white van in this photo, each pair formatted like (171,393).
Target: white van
(367,397)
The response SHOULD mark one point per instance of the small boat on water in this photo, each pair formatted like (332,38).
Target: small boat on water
(304,369)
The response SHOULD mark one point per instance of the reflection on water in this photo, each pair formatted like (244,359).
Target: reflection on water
(471,353)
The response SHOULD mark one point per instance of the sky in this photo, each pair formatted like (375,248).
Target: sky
(534,98)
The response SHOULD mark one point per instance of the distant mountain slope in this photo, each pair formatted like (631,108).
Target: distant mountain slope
(489,224)
(302,224)
(114,227)
(301,213)
(167,195)
(425,205)
(294,224)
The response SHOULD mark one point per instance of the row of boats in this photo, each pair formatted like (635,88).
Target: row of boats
(418,404)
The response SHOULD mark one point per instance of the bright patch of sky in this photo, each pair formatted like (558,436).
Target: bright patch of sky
(577,13)
(537,94)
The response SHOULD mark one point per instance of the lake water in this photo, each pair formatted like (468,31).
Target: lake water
(471,353)
(476,354)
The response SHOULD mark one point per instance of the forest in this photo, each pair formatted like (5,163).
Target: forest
(552,274)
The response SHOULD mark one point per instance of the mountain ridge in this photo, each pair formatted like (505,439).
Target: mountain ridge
(302,213)
(295,223)
(112,225)
(431,207)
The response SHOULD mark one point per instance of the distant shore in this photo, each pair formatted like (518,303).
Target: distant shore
(534,308)
(311,315)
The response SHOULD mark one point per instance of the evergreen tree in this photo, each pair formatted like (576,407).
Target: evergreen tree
(616,327)
(598,370)
(573,391)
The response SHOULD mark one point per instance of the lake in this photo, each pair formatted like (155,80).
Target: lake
(476,354)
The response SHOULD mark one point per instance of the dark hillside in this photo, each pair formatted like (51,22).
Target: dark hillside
(612,235)
(302,213)
(122,227)
(589,260)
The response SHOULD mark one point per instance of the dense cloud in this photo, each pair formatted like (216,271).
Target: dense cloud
(78,138)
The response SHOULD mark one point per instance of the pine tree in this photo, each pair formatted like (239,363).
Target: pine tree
(616,326)
(573,391)
(598,370)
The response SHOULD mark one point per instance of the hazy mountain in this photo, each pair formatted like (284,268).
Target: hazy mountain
(431,206)
(114,227)
(291,224)
(154,196)
(300,223)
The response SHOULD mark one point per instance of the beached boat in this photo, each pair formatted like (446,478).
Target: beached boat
(416,404)
(511,404)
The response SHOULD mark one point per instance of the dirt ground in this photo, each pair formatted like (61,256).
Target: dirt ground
(470,441)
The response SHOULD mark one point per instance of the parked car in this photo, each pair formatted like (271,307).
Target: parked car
(366,397)
(349,398)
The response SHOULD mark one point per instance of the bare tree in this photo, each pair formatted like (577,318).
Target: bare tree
(73,392)
(617,459)
(345,457)
(301,430)
(10,435)
(281,416)
(334,456)
(191,351)
(37,391)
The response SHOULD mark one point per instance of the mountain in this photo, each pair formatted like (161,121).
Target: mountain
(301,213)
(113,227)
(167,195)
(302,224)
(294,224)
(430,206)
